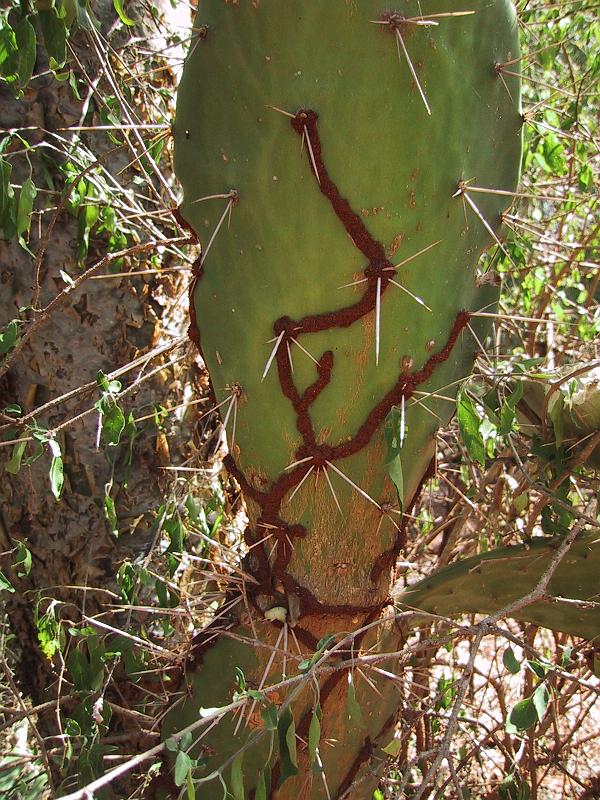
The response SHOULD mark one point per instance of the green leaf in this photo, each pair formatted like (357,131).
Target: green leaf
(66,278)
(113,420)
(353,709)
(524,714)
(514,788)
(192,507)
(111,515)
(393,432)
(7,199)
(538,669)
(57,479)
(269,715)
(446,687)
(240,678)
(324,642)
(393,748)
(286,734)
(5,584)
(27,196)
(118,4)
(183,766)
(261,787)
(555,412)
(541,698)
(565,660)
(102,381)
(8,337)
(520,502)
(8,47)
(237,777)
(322,646)
(508,410)
(74,85)
(510,661)
(290,738)
(72,728)
(26,55)
(586,178)
(469,421)
(23,560)
(314,733)
(13,465)
(55,36)
(191,791)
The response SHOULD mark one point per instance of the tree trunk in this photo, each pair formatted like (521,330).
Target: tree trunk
(76,545)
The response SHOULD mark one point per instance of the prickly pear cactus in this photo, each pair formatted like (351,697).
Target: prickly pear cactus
(487,583)
(332,158)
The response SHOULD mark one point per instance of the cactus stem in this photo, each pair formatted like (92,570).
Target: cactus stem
(377,319)
(400,44)
(272,356)
(354,486)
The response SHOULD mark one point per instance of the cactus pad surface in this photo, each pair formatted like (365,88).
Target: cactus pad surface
(487,583)
(336,161)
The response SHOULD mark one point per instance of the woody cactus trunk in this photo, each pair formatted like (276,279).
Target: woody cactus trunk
(330,156)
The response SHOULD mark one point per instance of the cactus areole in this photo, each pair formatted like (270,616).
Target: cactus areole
(344,166)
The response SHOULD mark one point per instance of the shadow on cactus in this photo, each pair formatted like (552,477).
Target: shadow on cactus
(336,165)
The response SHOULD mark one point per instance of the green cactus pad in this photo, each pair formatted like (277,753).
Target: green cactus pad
(331,156)
(487,583)
(348,178)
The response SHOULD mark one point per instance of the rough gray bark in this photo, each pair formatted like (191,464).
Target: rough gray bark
(105,324)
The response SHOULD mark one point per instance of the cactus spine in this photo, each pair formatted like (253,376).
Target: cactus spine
(327,155)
